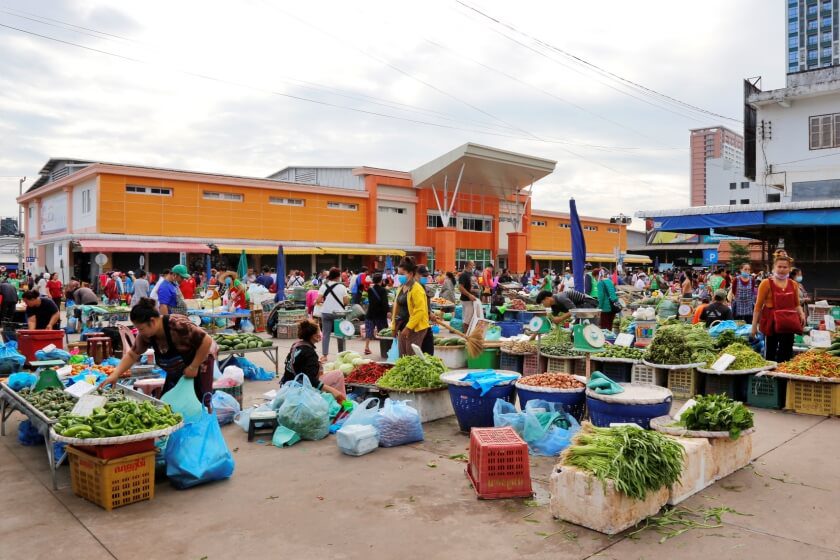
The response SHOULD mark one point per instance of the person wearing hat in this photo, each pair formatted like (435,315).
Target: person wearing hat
(717,310)
(170,299)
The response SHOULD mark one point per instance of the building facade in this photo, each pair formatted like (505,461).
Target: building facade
(726,184)
(716,142)
(812,34)
(153,218)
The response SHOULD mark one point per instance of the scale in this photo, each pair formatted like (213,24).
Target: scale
(539,325)
(346,328)
(588,337)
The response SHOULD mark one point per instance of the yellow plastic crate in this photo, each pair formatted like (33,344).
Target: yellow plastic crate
(808,397)
(112,483)
(684,383)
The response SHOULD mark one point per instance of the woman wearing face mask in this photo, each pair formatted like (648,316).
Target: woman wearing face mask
(702,292)
(411,311)
(778,313)
(742,294)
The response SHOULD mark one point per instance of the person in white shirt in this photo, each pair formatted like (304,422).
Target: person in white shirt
(332,297)
(42,285)
(641,281)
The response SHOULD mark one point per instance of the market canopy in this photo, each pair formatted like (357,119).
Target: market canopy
(482,170)
(362,251)
(126,246)
(265,250)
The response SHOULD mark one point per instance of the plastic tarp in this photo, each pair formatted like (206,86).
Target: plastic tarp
(706,221)
(804,218)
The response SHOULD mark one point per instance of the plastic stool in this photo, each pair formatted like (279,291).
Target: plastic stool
(99,348)
(268,420)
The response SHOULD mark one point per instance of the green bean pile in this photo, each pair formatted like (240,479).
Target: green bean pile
(637,461)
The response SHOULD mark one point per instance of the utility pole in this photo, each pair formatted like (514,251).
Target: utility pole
(20,228)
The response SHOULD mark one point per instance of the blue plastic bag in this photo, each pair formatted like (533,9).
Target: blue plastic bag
(182,399)
(18,381)
(398,424)
(29,434)
(538,425)
(110,362)
(505,414)
(253,371)
(197,453)
(393,352)
(723,326)
(57,354)
(225,406)
(10,357)
(364,414)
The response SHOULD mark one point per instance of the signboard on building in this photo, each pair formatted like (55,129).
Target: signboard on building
(710,256)
(54,213)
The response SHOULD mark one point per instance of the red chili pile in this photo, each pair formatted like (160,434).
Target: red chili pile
(552,380)
(367,374)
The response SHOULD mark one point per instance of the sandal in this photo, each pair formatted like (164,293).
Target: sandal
(323,360)
(368,352)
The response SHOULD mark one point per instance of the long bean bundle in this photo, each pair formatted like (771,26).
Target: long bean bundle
(637,461)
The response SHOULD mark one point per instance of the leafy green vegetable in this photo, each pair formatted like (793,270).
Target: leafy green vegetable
(413,372)
(612,351)
(637,461)
(717,413)
(680,344)
(745,357)
(726,338)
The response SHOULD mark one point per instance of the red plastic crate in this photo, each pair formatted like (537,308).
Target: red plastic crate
(531,364)
(119,450)
(30,342)
(499,466)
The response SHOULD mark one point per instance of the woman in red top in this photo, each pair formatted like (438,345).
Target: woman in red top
(54,287)
(778,313)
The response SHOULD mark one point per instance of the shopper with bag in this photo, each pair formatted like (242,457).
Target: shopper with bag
(778,313)
(181,349)
(332,297)
(410,316)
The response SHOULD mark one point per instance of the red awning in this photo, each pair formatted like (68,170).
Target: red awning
(121,246)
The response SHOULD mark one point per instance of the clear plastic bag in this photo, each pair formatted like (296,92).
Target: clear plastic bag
(225,406)
(364,414)
(305,411)
(545,426)
(398,424)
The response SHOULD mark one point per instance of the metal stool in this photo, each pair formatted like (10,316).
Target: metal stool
(99,348)
(267,418)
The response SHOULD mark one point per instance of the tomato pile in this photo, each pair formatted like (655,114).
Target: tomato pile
(79,368)
(367,374)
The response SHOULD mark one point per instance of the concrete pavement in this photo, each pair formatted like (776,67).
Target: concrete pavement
(414,502)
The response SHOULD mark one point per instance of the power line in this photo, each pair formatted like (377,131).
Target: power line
(593,66)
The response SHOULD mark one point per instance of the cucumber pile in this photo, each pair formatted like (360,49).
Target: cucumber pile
(240,341)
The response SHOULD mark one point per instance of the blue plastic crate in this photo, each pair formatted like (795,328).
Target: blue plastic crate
(510,328)
(574,403)
(511,362)
(474,411)
(524,316)
(602,414)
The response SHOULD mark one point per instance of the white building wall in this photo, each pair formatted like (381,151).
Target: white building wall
(721,175)
(395,223)
(783,154)
(84,215)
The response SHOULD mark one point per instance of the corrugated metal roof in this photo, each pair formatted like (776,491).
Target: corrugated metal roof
(768,207)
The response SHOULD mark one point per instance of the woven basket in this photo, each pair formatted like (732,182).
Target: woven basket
(768,366)
(777,373)
(596,358)
(115,440)
(661,424)
(537,389)
(672,366)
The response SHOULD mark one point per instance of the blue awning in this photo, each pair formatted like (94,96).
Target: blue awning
(827,217)
(706,221)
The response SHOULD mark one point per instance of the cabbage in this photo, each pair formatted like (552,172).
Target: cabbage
(346,368)
(357,362)
(330,366)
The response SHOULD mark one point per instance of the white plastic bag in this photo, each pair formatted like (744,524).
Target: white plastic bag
(357,440)
(234,373)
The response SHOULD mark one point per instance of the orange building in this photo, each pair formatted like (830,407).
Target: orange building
(153,218)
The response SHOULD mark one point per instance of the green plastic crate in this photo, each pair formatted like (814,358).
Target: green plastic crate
(489,359)
(766,392)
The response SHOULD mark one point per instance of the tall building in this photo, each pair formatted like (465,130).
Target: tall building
(712,143)
(812,32)
(8,226)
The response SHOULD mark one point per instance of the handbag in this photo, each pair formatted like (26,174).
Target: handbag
(779,321)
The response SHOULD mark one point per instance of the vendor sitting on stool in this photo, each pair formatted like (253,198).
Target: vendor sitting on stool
(41,312)
(181,349)
(562,303)
(303,358)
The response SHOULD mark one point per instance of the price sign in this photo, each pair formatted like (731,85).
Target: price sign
(87,403)
(820,339)
(624,339)
(723,362)
(829,323)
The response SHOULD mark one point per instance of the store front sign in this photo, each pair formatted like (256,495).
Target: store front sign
(54,213)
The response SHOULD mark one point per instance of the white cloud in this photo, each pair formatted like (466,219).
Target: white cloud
(59,100)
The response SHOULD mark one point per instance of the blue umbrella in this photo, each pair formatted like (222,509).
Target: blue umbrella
(578,245)
(388,263)
(207,272)
(281,275)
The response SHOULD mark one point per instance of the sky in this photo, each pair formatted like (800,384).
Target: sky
(252,86)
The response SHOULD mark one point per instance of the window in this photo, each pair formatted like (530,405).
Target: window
(538,223)
(826,22)
(812,41)
(140,189)
(613,230)
(745,184)
(476,224)
(430,260)
(745,201)
(826,37)
(793,56)
(732,202)
(86,206)
(792,11)
(565,225)
(342,206)
(433,220)
(792,67)
(812,55)
(732,186)
(31,211)
(590,228)
(793,41)
(812,10)
(233,197)
(826,53)
(774,197)
(824,131)
(481,258)
(506,219)
(280,201)
(793,26)
(812,25)
(391,210)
